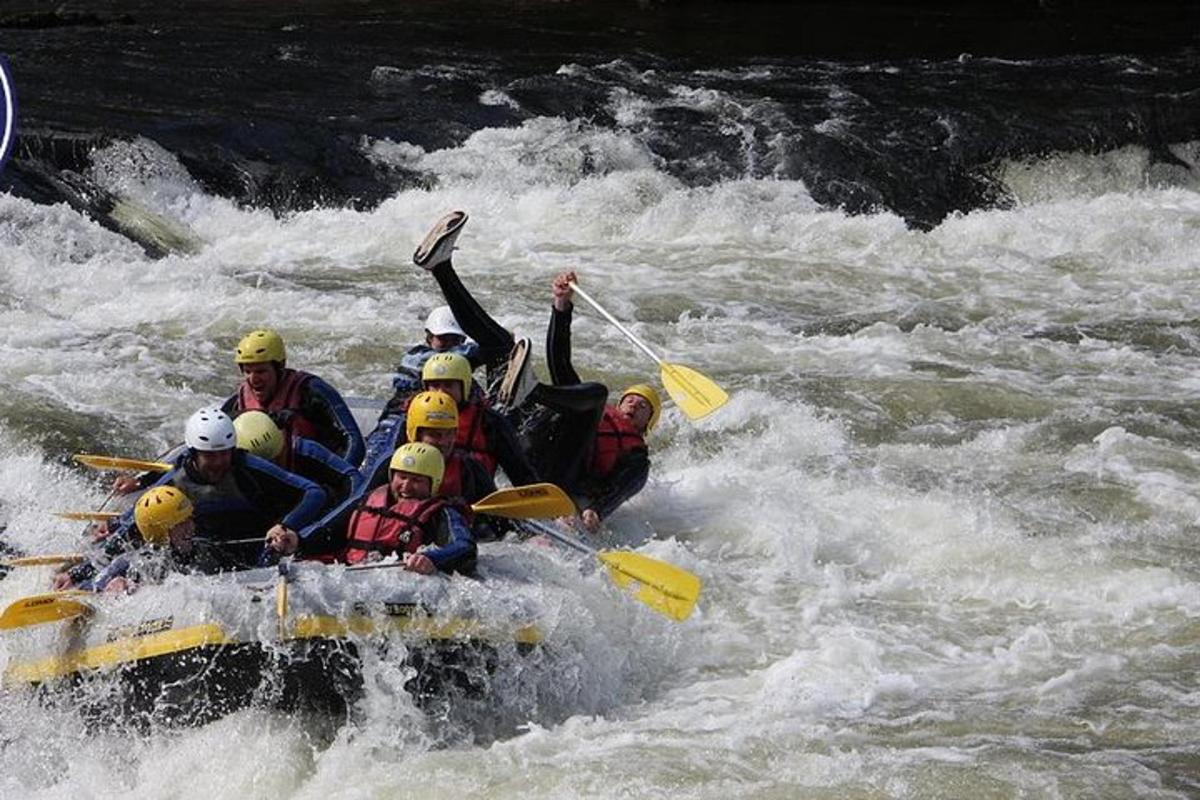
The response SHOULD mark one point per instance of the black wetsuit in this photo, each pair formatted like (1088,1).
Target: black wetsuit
(559,430)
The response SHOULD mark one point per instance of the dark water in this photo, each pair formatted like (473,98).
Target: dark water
(904,107)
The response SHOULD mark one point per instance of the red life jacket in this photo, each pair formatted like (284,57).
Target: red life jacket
(452,479)
(471,439)
(615,436)
(284,407)
(376,527)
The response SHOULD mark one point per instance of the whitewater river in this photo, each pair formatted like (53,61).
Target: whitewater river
(947,523)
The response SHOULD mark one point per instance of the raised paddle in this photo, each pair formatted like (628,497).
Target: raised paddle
(39,608)
(666,588)
(115,462)
(695,394)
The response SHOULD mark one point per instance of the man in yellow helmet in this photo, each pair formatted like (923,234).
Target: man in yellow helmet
(431,419)
(595,451)
(408,517)
(483,433)
(300,403)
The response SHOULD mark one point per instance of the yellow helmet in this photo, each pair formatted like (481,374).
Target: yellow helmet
(449,367)
(420,459)
(651,396)
(259,346)
(431,410)
(257,433)
(160,509)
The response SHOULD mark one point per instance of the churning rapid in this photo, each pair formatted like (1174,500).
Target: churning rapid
(946,523)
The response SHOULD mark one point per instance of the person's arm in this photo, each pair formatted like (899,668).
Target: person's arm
(274,484)
(117,568)
(326,408)
(494,341)
(458,552)
(230,406)
(502,441)
(327,536)
(625,481)
(558,334)
(317,462)
(478,484)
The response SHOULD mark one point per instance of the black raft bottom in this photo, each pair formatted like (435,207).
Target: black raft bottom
(318,676)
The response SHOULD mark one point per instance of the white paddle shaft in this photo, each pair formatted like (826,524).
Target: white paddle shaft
(558,536)
(645,348)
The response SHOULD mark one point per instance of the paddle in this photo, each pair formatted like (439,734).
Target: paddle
(281,596)
(115,462)
(695,394)
(535,501)
(40,608)
(88,516)
(666,588)
(41,561)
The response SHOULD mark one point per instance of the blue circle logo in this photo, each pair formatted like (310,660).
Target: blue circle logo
(8,112)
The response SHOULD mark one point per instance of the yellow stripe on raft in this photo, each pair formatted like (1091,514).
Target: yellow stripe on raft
(113,654)
(133,649)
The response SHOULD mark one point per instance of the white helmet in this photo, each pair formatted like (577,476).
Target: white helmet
(210,429)
(441,321)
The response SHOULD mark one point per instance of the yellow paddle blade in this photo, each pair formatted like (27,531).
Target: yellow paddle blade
(42,561)
(695,394)
(535,501)
(40,608)
(664,587)
(90,516)
(113,462)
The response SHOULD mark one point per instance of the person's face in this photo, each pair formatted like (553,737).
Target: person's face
(636,409)
(411,485)
(262,378)
(441,438)
(214,465)
(443,341)
(181,536)
(454,388)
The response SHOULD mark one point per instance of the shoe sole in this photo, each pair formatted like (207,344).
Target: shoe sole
(444,233)
(512,377)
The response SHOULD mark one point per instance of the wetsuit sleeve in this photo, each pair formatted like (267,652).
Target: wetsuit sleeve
(502,441)
(273,483)
(478,484)
(230,406)
(117,568)
(327,468)
(494,341)
(558,348)
(626,480)
(407,380)
(458,552)
(326,408)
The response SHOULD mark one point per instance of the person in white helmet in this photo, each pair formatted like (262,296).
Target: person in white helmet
(235,495)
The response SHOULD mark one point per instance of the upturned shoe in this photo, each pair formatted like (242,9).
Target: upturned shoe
(519,379)
(438,244)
